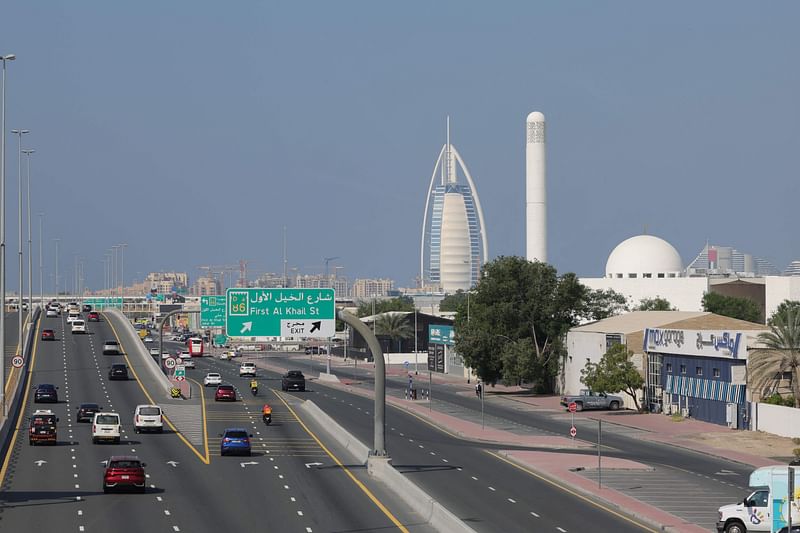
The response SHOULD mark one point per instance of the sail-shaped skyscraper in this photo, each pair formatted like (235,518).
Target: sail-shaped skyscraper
(454,244)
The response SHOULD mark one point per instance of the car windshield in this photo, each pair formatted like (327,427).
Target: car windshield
(294,374)
(111,342)
(44,420)
(117,368)
(213,376)
(153,411)
(89,406)
(236,434)
(107,419)
(225,387)
(46,386)
(124,464)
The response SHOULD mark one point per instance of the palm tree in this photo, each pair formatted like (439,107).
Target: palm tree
(394,325)
(781,353)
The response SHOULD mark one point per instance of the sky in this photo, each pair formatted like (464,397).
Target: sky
(195,131)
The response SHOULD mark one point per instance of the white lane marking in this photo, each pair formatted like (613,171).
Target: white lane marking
(77,486)
(445,460)
(80,528)
(286,487)
(492,489)
(175,528)
(473,477)
(512,500)
(561,530)
(534,514)
(166,512)
(80,513)
(292,498)
(308,530)
(158,498)
(299,513)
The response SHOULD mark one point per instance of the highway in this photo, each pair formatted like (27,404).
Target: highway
(59,488)
(486,492)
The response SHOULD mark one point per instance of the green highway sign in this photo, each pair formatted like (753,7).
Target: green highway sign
(221,340)
(298,313)
(103,301)
(212,311)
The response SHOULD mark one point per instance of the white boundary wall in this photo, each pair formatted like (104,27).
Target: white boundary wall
(777,419)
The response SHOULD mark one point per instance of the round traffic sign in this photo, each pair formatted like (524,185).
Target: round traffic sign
(180,378)
(573,407)
(573,431)
(17,361)
(170,362)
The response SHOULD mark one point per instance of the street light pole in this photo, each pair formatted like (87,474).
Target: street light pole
(20,133)
(5,58)
(56,274)
(30,242)
(122,273)
(41,264)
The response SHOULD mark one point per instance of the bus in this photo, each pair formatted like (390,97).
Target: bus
(195,345)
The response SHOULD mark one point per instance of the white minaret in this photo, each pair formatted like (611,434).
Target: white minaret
(535,189)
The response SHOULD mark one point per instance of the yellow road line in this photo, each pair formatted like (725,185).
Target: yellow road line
(204,458)
(570,491)
(22,408)
(355,480)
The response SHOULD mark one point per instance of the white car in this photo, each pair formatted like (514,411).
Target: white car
(51,313)
(72,317)
(105,426)
(154,352)
(148,339)
(188,362)
(247,369)
(78,326)
(147,417)
(212,379)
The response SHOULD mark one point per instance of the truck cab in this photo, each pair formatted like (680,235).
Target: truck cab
(755,512)
(42,427)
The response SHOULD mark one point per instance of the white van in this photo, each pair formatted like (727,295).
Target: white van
(755,512)
(147,417)
(105,426)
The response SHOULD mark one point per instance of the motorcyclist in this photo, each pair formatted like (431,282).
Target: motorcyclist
(253,386)
(266,413)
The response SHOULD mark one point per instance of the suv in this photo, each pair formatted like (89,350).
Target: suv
(78,326)
(147,417)
(293,379)
(111,347)
(247,369)
(93,316)
(124,471)
(86,412)
(105,426)
(235,440)
(48,335)
(45,392)
(119,371)
(42,427)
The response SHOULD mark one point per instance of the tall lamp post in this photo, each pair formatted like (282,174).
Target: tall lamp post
(41,264)
(19,134)
(30,242)
(55,276)
(5,58)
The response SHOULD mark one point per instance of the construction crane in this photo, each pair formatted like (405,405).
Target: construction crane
(327,262)
(219,269)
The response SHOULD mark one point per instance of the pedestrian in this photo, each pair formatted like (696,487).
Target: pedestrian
(478,389)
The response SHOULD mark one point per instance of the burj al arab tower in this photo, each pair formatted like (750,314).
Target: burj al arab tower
(454,243)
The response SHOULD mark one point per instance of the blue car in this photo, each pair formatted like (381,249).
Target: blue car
(236,441)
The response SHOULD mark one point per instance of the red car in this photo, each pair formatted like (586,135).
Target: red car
(124,471)
(94,316)
(48,335)
(225,392)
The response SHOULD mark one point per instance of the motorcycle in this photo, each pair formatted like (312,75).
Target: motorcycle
(266,415)
(254,390)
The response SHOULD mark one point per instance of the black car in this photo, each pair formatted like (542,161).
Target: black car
(293,379)
(118,372)
(87,308)
(86,412)
(46,393)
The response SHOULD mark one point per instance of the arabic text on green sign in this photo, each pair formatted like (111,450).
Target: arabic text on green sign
(295,313)
(212,311)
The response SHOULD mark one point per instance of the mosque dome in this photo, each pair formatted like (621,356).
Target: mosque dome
(644,256)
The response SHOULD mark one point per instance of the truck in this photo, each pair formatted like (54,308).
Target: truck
(764,509)
(293,379)
(588,399)
(42,427)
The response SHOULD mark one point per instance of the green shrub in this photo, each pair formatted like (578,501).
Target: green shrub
(777,399)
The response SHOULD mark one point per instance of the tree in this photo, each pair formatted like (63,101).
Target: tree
(614,373)
(395,326)
(603,303)
(654,304)
(520,312)
(741,308)
(401,303)
(453,302)
(781,353)
(782,309)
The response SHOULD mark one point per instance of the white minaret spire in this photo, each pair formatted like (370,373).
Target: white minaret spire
(535,189)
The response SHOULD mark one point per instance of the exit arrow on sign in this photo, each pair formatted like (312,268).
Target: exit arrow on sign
(247,326)
(315,326)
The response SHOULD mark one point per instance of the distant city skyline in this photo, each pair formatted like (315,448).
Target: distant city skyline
(681,121)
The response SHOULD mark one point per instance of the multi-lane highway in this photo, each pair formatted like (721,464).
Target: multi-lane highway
(59,488)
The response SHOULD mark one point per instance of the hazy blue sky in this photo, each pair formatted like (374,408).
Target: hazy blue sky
(194,131)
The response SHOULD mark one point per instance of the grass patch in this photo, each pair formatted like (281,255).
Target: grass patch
(676,417)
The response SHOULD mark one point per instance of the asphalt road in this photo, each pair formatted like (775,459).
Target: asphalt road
(59,488)
(488,493)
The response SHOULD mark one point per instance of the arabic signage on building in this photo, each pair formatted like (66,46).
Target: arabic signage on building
(295,313)
(438,334)
(705,343)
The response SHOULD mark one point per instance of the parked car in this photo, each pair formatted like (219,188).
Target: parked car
(48,335)
(42,427)
(111,347)
(293,380)
(105,426)
(225,392)
(45,392)
(212,378)
(235,440)
(592,400)
(124,471)
(147,417)
(86,412)
(118,371)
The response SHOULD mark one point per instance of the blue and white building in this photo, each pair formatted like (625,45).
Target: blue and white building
(454,246)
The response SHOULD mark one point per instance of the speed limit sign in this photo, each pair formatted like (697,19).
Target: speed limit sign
(17,361)
(170,362)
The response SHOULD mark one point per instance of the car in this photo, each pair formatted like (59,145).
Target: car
(147,417)
(105,426)
(48,335)
(225,392)
(224,356)
(93,316)
(78,326)
(42,427)
(234,440)
(86,308)
(247,369)
(212,378)
(86,412)
(124,471)
(588,399)
(45,393)
(154,351)
(293,379)
(118,371)
(72,317)
(111,347)
(187,363)
(316,350)
(51,313)
(148,339)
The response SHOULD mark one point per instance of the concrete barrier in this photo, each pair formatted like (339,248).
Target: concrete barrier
(136,350)
(339,434)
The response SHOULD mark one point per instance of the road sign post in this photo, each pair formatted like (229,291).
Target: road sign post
(297,313)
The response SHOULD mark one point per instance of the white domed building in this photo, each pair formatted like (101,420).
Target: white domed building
(646,266)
